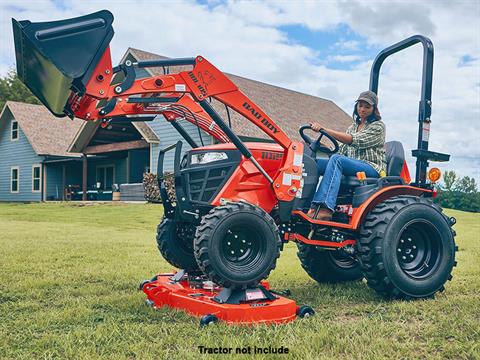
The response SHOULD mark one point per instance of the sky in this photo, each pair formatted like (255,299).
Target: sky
(322,48)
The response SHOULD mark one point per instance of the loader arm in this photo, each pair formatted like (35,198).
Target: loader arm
(200,83)
(85,81)
(190,90)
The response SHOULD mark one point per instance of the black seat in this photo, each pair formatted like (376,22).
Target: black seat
(395,157)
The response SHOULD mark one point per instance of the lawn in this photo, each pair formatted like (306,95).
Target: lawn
(69,273)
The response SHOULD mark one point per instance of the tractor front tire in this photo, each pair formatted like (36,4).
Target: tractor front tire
(328,266)
(237,245)
(175,243)
(407,248)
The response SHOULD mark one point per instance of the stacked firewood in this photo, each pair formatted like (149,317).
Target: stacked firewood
(152,191)
(150,184)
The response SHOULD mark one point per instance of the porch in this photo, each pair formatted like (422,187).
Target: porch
(95,177)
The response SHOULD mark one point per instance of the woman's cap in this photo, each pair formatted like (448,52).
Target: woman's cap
(369,97)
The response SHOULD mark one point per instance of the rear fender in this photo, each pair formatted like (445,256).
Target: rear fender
(382,195)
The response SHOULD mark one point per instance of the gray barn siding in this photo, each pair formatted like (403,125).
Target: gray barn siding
(168,135)
(16,153)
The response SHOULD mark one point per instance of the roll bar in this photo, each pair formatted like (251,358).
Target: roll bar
(425,106)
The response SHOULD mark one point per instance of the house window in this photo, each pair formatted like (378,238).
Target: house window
(105,177)
(14,179)
(36,178)
(14,130)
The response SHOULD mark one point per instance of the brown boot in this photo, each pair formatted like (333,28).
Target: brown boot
(320,214)
(311,212)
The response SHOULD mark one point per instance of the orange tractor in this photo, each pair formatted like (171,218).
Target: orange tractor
(237,203)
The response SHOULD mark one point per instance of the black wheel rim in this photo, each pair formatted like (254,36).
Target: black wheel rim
(242,248)
(419,249)
(341,259)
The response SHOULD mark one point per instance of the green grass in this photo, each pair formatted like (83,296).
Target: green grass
(68,279)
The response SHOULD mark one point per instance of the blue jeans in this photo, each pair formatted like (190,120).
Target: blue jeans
(332,170)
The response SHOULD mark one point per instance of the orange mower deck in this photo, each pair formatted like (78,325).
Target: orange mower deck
(200,299)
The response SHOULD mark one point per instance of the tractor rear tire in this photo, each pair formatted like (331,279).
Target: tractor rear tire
(175,243)
(237,245)
(328,266)
(407,248)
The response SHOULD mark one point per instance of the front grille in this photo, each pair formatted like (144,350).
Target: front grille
(203,184)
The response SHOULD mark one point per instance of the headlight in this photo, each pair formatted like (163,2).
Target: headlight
(205,158)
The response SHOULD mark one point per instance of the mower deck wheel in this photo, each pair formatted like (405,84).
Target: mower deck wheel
(145,282)
(305,311)
(142,284)
(208,319)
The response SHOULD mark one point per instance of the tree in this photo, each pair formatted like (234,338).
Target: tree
(458,193)
(466,185)
(449,179)
(12,88)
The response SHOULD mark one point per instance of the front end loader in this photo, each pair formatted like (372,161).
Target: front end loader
(237,203)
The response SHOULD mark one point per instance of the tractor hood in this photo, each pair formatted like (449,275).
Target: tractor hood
(57,56)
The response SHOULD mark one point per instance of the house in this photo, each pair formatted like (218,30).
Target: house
(46,158)
(32,145)
(36,164)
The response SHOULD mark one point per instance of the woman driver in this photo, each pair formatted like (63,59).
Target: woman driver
(362,150)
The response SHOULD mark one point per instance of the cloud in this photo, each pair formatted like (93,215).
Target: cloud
(344,58)
(382,21)
(347,45)
(314,15)
(244,38)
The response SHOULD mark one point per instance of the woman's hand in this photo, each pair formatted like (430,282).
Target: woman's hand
(316,126)
(338,135)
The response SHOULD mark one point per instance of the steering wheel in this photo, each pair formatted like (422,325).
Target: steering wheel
(315,145)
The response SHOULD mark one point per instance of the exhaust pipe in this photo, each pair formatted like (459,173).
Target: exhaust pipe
(57,57)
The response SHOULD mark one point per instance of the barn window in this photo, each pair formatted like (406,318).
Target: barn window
(14,130)
(14,179)
(36,178)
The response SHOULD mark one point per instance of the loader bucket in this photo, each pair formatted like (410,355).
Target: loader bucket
(57,56)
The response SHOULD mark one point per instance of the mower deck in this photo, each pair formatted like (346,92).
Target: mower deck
(203,298)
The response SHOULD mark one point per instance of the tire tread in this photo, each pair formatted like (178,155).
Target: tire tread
(369,246)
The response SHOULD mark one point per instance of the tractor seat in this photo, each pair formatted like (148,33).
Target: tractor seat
(395,158)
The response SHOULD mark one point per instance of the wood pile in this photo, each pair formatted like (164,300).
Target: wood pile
(152,191)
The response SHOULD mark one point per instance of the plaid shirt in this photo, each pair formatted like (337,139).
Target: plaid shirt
(368,144)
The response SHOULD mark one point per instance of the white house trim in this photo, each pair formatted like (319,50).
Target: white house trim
(17,130)
(39,178)
(18,179)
